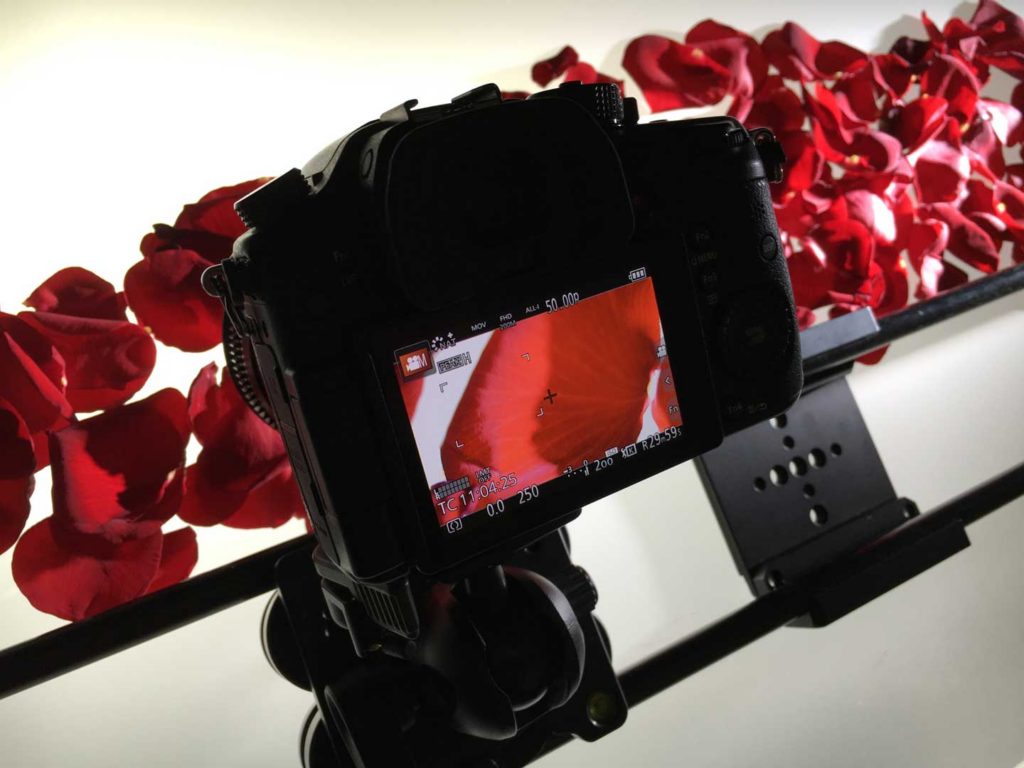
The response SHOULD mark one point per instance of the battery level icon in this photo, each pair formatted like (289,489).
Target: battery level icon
(637,274)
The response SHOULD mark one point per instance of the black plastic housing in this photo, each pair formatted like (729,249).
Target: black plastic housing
(429,215)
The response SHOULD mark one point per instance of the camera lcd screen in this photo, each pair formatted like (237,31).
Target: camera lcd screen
(559,391)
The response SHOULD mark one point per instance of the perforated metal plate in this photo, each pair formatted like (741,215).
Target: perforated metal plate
(800,490)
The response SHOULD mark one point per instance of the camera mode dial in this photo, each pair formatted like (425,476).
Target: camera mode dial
(602,100)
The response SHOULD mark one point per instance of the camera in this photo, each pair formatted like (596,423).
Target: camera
(467,321)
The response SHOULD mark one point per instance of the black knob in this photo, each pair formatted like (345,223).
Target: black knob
(602,100)
(578,588)
(263,206)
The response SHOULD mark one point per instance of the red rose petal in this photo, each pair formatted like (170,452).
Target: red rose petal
(777,107)
(165,293)
(918,121)
(242,476)
(32,381)
(119,475)
(74,585)
(14,508)
(17,451)
(799,56)
(951,79)
(941,167)
(178,556)
(107,361)
(967,240)
(671,75)
(215,213)
(545,71)
(736,51)
(79,292)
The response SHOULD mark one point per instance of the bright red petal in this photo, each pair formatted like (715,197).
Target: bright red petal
(671,75)
(178,557)
(107,361)
(74,585)
(967,240)
(79,292)
(165,293)
(119,475)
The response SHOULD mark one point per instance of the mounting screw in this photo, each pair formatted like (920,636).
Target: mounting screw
(602,708)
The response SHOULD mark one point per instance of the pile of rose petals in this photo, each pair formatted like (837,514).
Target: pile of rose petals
(898,169)
(898,175)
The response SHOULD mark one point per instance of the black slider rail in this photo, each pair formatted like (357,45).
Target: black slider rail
(65,649)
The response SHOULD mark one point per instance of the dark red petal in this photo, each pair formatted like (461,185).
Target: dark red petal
(14,508)
(165,293)
(74,585)
(804,163)
(119,475)
(967,240)
(951,79)
(215,211)
(77,291)
(271,503)
(32,381)
(17,451)
(941,167)
(777,107)
(671,75)
(893,74)
(918,121)
(178,557)
(799,56)
(856,95)
(242,473)
(107,361)
(736,51)
(545,71)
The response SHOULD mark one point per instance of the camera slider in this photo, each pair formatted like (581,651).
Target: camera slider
(798,495)
(466,667)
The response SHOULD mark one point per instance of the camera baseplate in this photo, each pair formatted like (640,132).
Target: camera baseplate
(798,494)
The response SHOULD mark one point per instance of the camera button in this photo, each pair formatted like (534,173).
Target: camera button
(769,247)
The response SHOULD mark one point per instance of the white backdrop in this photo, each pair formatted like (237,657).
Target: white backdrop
(114,114)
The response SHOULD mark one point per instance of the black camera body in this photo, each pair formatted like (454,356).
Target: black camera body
(461,317)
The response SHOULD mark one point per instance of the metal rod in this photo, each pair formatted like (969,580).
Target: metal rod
(67,648)
(918,316)
(764,615)
(73,646)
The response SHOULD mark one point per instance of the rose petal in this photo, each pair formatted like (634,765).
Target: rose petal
(119,475)
(14,508)
(941,167)
(736,51)
(671,75)
(545,71)
(74,585)
(799,56)
(777,107)
(32,381)
(951,79)
(79,292)
(107,361)
(967,240)
(178,556)
(242,476)
(918,121)
(165,293)
(214,213)
(17,451)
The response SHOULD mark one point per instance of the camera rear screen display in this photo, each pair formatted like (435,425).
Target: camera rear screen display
(565,388)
